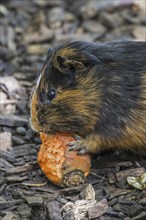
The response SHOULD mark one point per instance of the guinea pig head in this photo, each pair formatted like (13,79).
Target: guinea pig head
(65,96)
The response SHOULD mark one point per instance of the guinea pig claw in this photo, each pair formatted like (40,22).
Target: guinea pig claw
(82,151)
(77,146)
(72,146)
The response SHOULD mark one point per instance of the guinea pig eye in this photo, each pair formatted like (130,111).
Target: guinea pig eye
(51,94)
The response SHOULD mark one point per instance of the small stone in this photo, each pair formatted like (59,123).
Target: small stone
(69,17)
(62,38)
(89,10)
(6,108)
(20,76)
(21,131)
(40,49)
(139,33)
(56,16)
(39,37)
(111,20)
(26,83)
(11,83)
(11,38)
(44,3)
(94,27)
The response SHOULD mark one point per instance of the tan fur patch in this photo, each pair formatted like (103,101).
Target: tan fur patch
(133,138)
(67,53)
(81,99)
(34,120)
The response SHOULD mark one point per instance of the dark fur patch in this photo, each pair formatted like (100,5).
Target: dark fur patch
(110,83)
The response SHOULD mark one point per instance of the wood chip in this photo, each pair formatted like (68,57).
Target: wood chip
(130,172)
(11,216)
(141,216)
(111,177)
(21,169)
(12,121)
(34,184)
(8,156)
(118,192)
(16,178)
(25,149)
(34,200)
(81,208)
(7,204)
(88,193)
(98,209)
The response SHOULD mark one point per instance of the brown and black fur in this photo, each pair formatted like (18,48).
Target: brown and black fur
(100,95)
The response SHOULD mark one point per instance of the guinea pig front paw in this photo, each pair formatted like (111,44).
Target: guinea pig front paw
(78,146)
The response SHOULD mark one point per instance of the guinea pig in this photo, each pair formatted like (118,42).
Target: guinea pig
(96,91)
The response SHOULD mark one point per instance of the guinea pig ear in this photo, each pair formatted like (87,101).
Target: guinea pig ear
(65,64)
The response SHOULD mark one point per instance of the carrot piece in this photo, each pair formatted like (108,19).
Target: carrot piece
(61,166)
